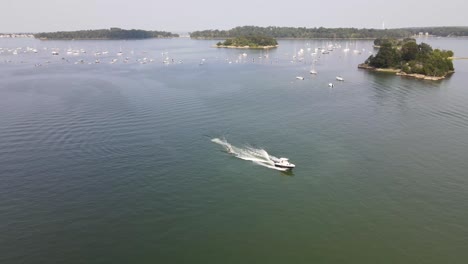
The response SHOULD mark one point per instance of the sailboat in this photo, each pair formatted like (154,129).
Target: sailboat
(312,70)
(346,49)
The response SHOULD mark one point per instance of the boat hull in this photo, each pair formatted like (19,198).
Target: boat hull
(285,166)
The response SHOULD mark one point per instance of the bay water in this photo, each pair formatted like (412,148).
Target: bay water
(108,158)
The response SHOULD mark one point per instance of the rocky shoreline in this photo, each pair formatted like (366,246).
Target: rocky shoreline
(401,73)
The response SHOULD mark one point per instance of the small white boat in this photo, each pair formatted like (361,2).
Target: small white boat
(312,70)
(284,163)
(330,85)
(55,53)
(339,78)
(299,77)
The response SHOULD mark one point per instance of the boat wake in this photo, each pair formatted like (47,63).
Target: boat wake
(257,156)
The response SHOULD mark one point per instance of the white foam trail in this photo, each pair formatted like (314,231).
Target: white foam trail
(257,156)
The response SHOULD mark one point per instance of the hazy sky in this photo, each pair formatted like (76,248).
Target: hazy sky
(174,15)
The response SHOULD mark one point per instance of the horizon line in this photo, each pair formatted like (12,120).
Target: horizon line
(189,31)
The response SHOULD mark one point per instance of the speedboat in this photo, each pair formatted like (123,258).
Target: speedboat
(339,78)
(299,77)
(284,163)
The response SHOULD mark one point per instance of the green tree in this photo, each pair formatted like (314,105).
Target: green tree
(387,57)
(425,51)
(409,51)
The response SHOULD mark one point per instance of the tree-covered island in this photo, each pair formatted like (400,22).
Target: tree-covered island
(249,42)
(407,58)
(329,33)
(112,33)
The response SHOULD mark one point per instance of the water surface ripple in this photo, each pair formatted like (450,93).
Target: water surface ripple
(113,162)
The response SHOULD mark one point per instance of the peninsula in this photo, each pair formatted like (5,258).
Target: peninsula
(407,58)
(329,33)
(112,33)
(249,42)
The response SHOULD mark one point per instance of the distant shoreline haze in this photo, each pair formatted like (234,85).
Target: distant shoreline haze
(275,32)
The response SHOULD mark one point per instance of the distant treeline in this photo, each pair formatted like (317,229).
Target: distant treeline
(321,32)
(113,33)
(441,31)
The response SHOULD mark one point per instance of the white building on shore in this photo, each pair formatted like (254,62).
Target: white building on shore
(16,35)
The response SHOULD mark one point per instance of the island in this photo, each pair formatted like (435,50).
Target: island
(249,42)
(103,34)
(407,58)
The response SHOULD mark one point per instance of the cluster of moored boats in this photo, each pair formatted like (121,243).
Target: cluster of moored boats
(315,54)
(80,56)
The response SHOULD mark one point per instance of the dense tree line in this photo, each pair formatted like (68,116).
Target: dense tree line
(397,42)
(301,32)
(321,32)
(411,57)
(113,33)
(251,41)
(441,31)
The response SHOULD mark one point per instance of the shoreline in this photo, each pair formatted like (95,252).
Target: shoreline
(425,77)
(220,38)
(398,72)
(102,38)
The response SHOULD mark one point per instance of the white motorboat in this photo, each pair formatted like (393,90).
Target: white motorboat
(299,77)
(339,78)
(284,163)
(313,72)
(330,85)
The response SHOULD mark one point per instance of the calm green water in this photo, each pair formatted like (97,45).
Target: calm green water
(113,163)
